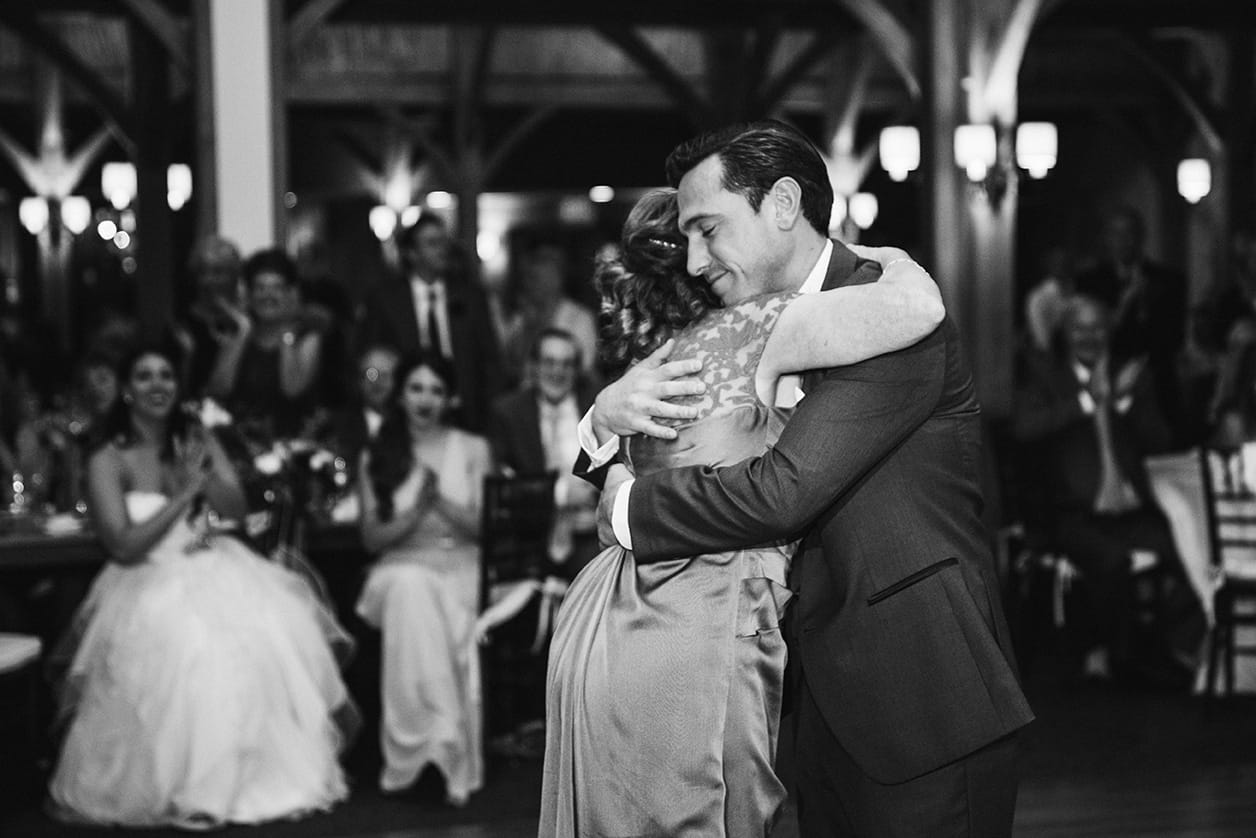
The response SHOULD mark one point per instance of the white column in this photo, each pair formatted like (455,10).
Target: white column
(248,130)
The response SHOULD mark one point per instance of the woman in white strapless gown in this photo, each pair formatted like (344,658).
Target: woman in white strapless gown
(202,688)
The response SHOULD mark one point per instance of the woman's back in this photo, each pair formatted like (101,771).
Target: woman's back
(732,422)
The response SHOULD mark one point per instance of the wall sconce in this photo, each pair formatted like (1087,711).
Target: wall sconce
(602,194)
(178,185)
(383,221)
(1037,144)
(1194,179)
(439,199)
(410,215)
(76,213)
(988,162)
(863,209)
(900,151)
(976,150)
(119,184)
(34,214)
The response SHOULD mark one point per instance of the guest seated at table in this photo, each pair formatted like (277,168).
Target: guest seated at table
(210,320)
(269,362)
(533,430)
(53,444)
(202,688)
(1086,429)
(420,487)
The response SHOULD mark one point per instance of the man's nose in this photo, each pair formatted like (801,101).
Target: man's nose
(697,258)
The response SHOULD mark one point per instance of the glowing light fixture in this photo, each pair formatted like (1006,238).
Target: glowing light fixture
(34,214)
(863,209)
(76,213)
(106,229)
(900,150)
(488,245)
(383,221)
(122,239)
(410,215)
(440,199)
(601,194)
(1036,146)
(1194,179)
(976,149)
(178,185)
(118,183)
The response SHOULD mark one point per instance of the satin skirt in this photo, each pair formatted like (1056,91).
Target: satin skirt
(664,697)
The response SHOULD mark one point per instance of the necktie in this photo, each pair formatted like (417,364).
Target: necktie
(433,323)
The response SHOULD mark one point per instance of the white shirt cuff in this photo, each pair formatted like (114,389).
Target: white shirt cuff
(1087,402)
(599,455)
(619,515)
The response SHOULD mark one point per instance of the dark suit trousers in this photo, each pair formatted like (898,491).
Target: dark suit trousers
(973,797)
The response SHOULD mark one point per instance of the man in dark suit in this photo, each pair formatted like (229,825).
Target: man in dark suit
(1148,305)
(352,428)
(533,430)
(427,308)
(1086,428)
(907,699)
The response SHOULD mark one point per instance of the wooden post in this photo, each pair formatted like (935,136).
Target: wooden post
(155,273)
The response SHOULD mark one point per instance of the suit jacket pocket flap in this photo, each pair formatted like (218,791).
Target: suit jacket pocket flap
(907,581)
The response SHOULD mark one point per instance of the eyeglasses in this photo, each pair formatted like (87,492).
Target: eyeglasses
(373,374)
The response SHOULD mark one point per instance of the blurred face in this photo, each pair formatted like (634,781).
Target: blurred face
(100,384)
(1087,333)
(270,296)
(556,368)
(378,370)
(735,249)
(426,251)
(217,280)
(152,387)
(424,398)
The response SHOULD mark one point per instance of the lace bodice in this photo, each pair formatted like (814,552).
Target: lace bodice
(732,423)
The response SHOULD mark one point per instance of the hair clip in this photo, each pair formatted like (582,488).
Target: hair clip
(663,243)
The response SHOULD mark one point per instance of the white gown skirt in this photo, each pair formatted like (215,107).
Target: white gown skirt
(202,690)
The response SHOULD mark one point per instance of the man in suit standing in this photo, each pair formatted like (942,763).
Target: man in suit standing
(907,700)
(431,309)
(1087,426)
(533,430)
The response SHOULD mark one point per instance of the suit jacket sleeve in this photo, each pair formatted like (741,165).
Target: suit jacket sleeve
(847,423)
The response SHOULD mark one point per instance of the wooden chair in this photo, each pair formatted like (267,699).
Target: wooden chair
(517,519)
(1231,510)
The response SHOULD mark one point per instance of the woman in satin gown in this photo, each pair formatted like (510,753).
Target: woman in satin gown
(420,492)
(202,688)
(665,680)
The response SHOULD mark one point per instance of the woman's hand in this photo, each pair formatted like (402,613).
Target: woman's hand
(235,327)
(429,490)
(193,460)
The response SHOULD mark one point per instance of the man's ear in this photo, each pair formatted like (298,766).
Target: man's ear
(786,199)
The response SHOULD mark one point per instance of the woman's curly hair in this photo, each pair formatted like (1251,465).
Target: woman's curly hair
(647,295)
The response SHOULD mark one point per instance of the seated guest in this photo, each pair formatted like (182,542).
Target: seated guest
(533,430)
(269,362)
(210,320)
(543,304)
(202,688)
(353,427)
(1087,428)
(54,443)
(420,488)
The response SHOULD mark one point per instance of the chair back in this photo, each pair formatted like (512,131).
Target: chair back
(1231,511)
(517,519)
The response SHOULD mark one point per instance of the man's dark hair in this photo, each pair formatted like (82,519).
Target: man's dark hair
(534,351)
(754,156)
(406,237)
(271,260)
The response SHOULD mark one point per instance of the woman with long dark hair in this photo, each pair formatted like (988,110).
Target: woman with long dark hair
(420,489)
(202,689)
